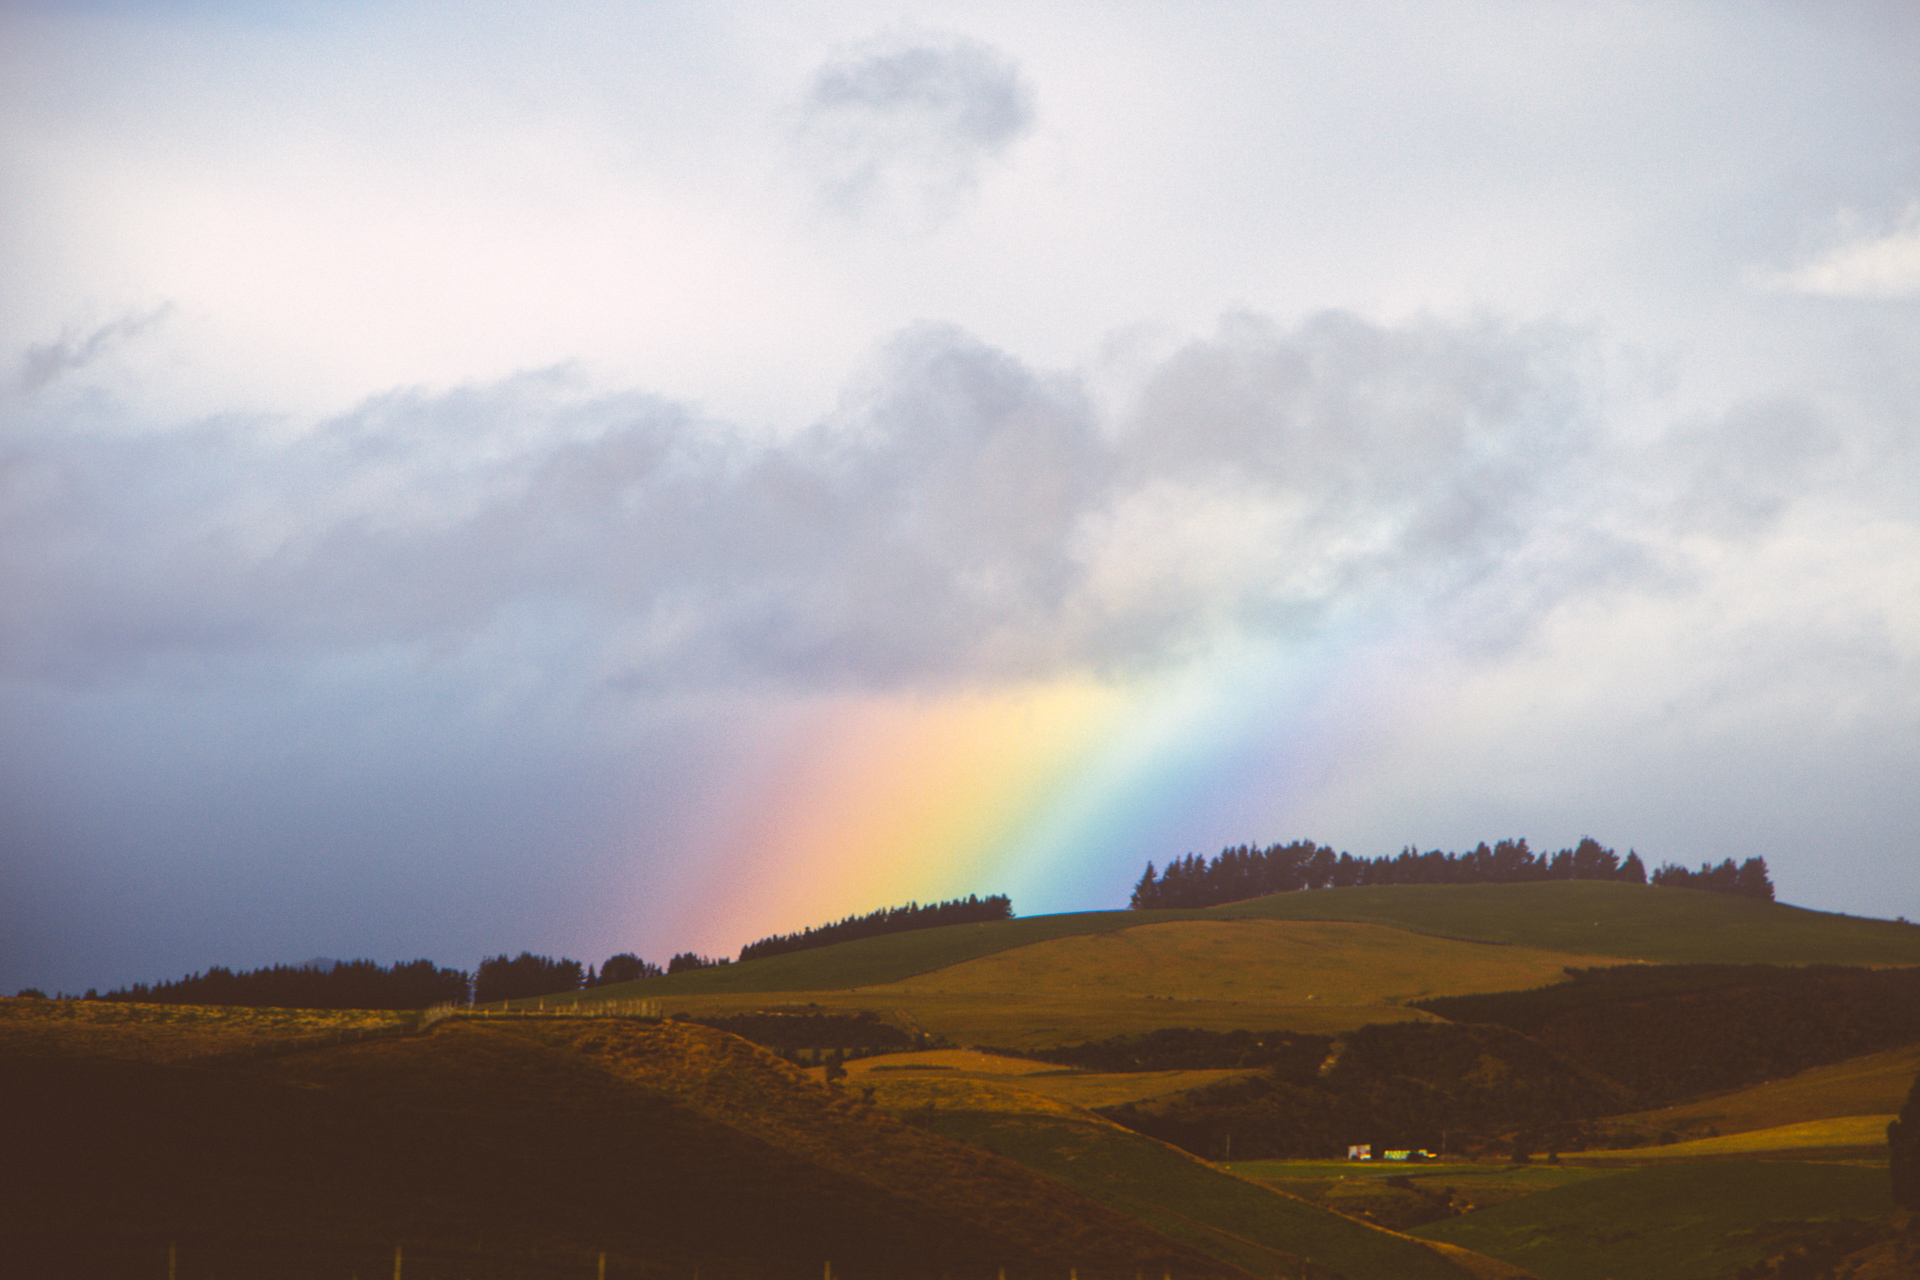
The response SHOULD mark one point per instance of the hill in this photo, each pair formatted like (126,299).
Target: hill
(1407,1085)
(1627,921)
(485,1148)
(1589,918)
(1875,1084)
(1258,1230)
(1328,961)
(1698,1221)
(1675,1031)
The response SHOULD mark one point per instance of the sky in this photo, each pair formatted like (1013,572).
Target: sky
(488,477)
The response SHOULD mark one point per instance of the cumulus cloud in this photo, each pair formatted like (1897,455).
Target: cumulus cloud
(960,516)
(905,123)
(1871,265)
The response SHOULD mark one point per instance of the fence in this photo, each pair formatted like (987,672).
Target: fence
(150,1258)
(555,1006)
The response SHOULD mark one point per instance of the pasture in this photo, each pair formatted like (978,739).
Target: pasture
(1873,1085)
(178,1033)
(1856,1136)
(1269,962)
(1602,917)
(1235,1220)
(910,1075)
(1034,1022)
(1699,1220)
(1611,921)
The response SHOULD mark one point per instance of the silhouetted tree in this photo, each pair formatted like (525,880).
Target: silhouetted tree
(625,967)
(967,910)
(526,975)
(1749,880)
(347,984)
(1752,880)
(1246,871)
(1146,894)
(693,960)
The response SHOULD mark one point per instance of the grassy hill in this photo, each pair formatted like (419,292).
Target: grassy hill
(1628,921)
(516,1147)
(1873,1085)
(1587,918)
(1838,1137)
(1254,1228)
(1695,1221)
(1327,961)
(1288,962)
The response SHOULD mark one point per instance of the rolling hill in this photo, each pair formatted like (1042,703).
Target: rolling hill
(494,1145)
(1327,961)
(1626,1225)
(522,1147)
(1874,1084)
(1576,917)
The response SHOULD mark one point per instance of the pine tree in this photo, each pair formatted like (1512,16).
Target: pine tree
(1752,880)
(1146,894)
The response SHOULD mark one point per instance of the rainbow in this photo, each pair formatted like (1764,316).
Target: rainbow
(1055,793)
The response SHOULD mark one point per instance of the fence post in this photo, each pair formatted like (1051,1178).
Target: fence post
(173,1259)
(603,1264)
(396,1262)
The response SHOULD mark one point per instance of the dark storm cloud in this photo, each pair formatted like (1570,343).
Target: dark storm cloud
(961,515)
(910,119)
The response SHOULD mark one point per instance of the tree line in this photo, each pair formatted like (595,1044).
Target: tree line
(967,910)
(348,984)
(1748,880)
(1246,871)
(364,984)
(420,984)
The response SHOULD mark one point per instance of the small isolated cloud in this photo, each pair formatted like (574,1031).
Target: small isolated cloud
(1885,265)
(42,365)
(907,122)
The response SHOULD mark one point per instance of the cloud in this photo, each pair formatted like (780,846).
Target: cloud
(905,123)
(43,364)
(1882,265)
(961,516)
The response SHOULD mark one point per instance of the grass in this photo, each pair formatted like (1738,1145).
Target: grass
(1630,922)
(1232,1218)
(1687,1221)
(867,962)
(965,1080)
(1287,962)
(1590,918)
(1033,1022)
(481,1141)
(1073,1088)
(1872,1085)
(1835,1134)
(1508,1181)
(175,1033)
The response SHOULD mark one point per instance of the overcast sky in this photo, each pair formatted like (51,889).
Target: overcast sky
(478,477)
